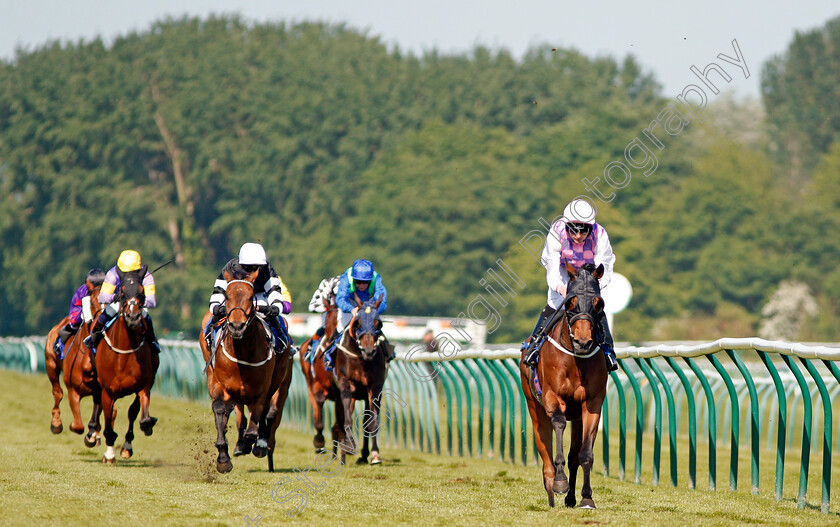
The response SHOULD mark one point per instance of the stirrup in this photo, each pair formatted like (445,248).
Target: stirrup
(612,361)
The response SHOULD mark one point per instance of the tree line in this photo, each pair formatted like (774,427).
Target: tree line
(187,139)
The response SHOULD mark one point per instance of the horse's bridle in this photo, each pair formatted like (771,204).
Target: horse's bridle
(248,316)
(359,334)
(587,294)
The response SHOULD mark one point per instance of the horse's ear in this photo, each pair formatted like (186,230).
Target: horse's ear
(227,275)
(325,301)
(571,270)
(599,272)
(358,300)
(376,305)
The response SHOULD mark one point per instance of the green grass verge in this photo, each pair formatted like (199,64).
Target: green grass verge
(54,480)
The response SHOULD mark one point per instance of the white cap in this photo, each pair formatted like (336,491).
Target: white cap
(252,254)
(579,211)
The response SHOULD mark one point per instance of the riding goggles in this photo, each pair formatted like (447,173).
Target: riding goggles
(578,228)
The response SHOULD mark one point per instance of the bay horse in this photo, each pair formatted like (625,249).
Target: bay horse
(125,364)
(320,383)
(246,372)
(572,374)
(79,377)
(360,373)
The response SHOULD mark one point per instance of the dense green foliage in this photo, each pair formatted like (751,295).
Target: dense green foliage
(195,136)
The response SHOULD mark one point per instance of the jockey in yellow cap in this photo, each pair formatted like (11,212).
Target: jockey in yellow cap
(128,262)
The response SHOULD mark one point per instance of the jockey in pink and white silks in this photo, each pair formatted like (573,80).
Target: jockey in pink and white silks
(578,240)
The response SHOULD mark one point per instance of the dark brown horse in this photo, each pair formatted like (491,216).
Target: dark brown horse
(360,371)
(572,372)
(80,377)
(244,370)
(126,365)
(321,383)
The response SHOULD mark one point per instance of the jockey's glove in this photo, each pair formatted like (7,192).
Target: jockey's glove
(272,310)
(219,310)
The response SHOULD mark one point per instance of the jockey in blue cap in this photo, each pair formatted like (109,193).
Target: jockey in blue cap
(361,281)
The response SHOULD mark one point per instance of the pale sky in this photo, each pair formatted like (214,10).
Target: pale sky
(666,37)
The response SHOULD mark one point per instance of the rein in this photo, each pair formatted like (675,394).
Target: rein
(250,317)
(246,363)
(565,350)
(129,302)
(122,351)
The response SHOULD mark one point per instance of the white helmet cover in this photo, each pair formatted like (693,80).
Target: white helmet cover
(579,211)
(252,254)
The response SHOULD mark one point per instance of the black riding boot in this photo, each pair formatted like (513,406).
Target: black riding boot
(530,346)
(218,314)
(390,349)
(285,339)
(606,342)
(92,340)
(150,334)
(64,335)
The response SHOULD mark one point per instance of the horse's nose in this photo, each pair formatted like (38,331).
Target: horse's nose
(237,327)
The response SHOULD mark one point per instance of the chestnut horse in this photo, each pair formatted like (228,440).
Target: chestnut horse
(79,377)
(572,373)
(125,364)
(320,382)
(54,366)
(360,372)
(246,372)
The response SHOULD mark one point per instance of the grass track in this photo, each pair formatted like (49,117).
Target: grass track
(55,480)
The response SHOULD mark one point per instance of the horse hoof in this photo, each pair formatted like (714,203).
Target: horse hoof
(260,448)
(108,461)
(362,461)
(319,443)
(570,501)
(587,503)
(91,442)
(80,430)
(126,452)
(56,429)
(375,459)
(561,486)
(148,426)
(241,450)
(225,467)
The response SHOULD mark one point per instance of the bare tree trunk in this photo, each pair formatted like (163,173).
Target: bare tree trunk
(185,208)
